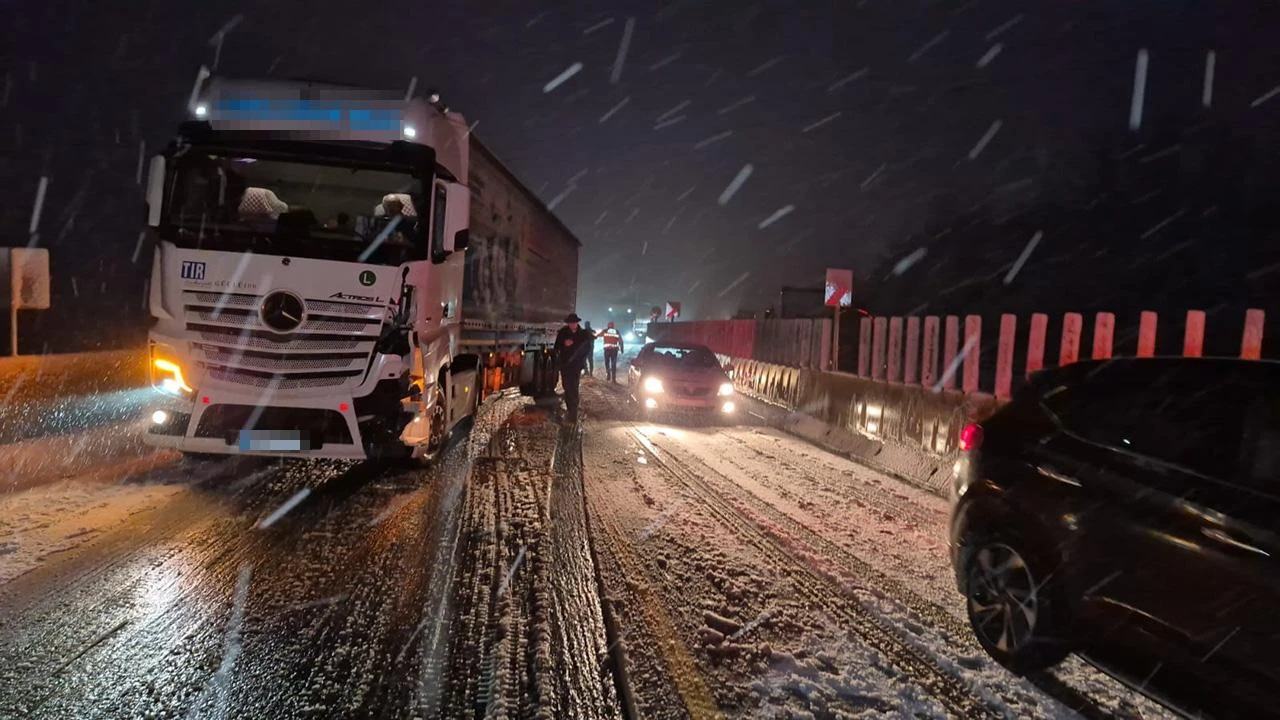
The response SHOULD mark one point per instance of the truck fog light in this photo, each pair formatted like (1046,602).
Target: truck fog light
(650,403)
(728,407)
(159,417)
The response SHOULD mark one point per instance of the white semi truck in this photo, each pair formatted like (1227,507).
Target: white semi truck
(341,273)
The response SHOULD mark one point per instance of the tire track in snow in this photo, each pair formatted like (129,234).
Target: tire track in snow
(959,696)
(681,667)
(528,632)
(844,567)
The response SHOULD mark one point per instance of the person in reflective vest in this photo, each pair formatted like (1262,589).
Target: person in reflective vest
(612,348)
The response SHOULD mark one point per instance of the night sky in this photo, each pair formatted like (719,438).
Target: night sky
(858,121)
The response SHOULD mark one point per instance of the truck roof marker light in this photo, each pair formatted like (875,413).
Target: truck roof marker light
(202,110)
(343,407)
(410,132)
(205,400)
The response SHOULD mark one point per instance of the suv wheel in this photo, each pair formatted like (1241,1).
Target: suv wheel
(1014,604)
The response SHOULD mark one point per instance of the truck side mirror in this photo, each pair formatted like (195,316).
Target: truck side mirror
(155,191)
(457,214)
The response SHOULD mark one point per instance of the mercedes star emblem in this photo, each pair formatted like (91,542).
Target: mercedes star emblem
(282,311)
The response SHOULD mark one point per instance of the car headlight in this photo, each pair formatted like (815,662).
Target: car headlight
(652,385)
(726,389)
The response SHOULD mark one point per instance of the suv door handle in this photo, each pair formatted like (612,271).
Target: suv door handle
(1225,539)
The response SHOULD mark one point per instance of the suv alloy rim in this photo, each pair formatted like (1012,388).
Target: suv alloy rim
(1003,597)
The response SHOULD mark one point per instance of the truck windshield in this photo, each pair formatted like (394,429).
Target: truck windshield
(285,207)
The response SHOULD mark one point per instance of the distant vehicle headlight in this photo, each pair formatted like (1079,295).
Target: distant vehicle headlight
(726,389)
(652,385)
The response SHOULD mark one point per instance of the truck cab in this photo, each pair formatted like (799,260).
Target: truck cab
(307,280)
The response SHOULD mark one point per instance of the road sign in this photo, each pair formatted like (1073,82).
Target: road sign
(839,292)
(29,278)
(28,272)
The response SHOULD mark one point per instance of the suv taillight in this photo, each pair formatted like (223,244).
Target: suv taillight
(971,437)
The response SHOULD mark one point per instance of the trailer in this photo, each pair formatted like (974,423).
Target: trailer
(342,273)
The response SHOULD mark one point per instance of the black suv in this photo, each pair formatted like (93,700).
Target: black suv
(1129,510)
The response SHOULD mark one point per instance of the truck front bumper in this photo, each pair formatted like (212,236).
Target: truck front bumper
(213,422)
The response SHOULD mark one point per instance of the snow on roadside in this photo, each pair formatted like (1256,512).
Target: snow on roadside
(42,522)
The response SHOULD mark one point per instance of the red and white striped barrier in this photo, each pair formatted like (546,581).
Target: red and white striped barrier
(883,340)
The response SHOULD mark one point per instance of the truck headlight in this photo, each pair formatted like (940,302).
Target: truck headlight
(726,389)
(652,385)
(166,374)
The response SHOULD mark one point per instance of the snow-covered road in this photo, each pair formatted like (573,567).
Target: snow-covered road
(759,576)
(250,588)
(745,574)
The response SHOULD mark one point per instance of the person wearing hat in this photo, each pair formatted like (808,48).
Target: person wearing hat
(612,348)
(573,342)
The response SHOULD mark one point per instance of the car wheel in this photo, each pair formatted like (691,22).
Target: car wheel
(1014,602)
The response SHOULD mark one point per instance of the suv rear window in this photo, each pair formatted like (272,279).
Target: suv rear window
(1183,417)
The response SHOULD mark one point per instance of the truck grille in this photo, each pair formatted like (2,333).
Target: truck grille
(331,348)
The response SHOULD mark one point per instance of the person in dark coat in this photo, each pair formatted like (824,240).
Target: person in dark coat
(573,343)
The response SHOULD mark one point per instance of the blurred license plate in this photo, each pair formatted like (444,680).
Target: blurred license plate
(273,441)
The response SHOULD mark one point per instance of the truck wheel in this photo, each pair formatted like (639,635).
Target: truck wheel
(1015,606)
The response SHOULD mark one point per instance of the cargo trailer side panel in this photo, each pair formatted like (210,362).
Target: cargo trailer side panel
(522,265)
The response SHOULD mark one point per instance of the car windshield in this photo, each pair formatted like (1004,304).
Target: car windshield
(285,207)
(685,358)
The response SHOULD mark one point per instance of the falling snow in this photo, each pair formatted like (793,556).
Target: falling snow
(1022,258)
(989,55)
(560,79)
(613,110)
(986,138)
(847,79)
(1139,89)
(707,142)
(937,39)
(1261,99)
(616,73)
(776,216)
(905,263)
(735,184)
(819,123)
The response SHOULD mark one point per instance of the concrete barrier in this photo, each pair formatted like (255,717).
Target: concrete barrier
(37,378)
(909,431)
(912,429)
